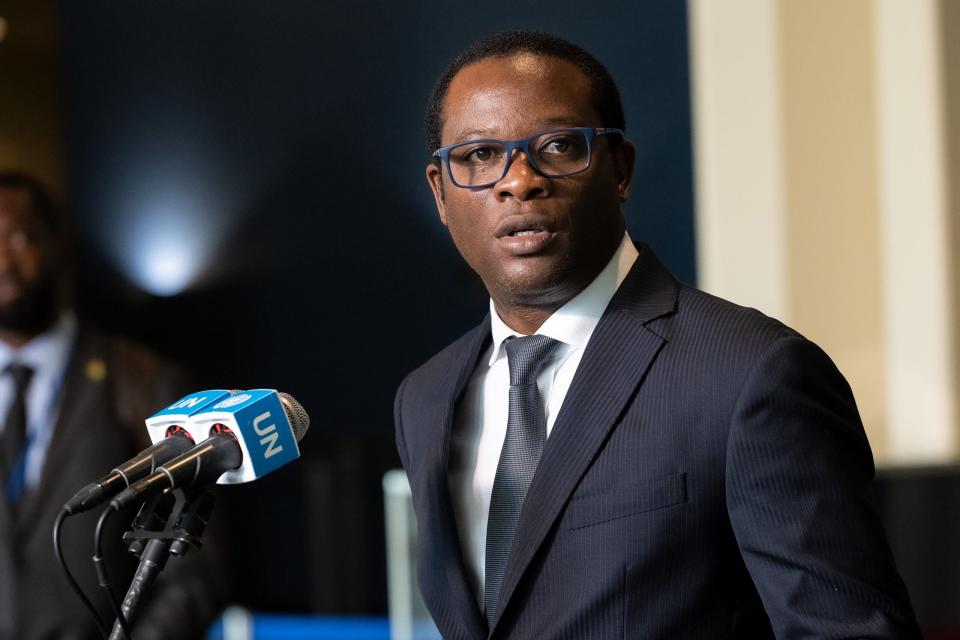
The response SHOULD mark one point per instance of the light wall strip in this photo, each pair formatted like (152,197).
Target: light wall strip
(919,314)
(737,152)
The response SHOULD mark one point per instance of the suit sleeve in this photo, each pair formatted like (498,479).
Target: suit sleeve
(798,473)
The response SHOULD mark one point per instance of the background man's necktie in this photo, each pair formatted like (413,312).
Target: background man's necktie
(15,431)
(526,435)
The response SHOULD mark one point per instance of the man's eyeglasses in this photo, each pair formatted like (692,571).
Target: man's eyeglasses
(478,164)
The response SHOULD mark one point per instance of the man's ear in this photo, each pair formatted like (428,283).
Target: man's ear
(435,180)
(624,157)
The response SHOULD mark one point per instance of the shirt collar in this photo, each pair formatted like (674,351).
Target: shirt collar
(46,352)
(574,322)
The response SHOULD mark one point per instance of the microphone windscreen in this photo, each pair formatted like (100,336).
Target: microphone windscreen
(296,414)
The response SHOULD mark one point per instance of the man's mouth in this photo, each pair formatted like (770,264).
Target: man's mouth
(525,235)
(10,290)
(523,225)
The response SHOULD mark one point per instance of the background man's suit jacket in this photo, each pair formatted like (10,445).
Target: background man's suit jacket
(110,386)
(706,477)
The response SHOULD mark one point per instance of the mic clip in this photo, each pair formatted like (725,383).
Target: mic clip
(178,518)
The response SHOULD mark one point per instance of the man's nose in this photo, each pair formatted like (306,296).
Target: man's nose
(522,181)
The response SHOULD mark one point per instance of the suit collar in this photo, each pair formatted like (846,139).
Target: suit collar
(649,291)
(616,359)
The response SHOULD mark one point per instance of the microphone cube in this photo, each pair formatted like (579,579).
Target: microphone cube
(178,415)
(258,420)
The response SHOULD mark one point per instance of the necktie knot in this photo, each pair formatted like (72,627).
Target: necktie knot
(526,356)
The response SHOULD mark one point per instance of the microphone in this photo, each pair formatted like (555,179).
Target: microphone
(170,439)
(250,434)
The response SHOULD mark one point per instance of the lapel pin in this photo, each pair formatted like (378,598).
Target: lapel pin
(96,370)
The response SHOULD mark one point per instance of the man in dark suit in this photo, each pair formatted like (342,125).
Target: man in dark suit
(72,401)
(611,453)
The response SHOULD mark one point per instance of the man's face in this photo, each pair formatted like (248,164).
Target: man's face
(568,227)
(28,266)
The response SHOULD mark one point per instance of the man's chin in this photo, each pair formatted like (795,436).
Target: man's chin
(550,290)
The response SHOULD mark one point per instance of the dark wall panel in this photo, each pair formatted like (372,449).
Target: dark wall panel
(275,149)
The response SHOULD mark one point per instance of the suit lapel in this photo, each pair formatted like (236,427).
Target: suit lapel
(446,559)
(618,355)
(76,396)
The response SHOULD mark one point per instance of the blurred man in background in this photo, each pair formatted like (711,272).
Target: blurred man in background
(72,405)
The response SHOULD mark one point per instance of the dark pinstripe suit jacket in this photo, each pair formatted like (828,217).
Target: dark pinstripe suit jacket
(707,477)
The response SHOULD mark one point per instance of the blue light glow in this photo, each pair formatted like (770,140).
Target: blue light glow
(167,209)
(165,266)
(168,244)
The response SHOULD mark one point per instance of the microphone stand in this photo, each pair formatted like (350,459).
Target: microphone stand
(153,539)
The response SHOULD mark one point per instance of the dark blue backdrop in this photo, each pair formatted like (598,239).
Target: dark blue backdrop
(288,135)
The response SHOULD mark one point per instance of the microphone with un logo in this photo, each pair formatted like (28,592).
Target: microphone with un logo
(170,438)
(241,437)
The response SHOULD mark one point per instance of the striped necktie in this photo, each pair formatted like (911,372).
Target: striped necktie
(522,446)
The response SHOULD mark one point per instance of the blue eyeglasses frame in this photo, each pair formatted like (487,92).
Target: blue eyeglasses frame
(589,133)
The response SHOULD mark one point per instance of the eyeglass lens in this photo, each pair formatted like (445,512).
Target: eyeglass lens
(554,154)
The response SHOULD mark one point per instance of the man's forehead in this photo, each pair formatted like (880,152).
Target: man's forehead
(551,90)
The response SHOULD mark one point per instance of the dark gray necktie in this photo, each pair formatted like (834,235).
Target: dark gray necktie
(15,424)
(522,446)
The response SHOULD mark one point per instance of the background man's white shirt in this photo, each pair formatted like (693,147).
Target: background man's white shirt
(48,355)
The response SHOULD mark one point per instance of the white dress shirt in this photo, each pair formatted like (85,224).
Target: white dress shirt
(48,355)
(480,424)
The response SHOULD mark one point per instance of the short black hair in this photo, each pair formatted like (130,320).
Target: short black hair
(605,96)
(42,204)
